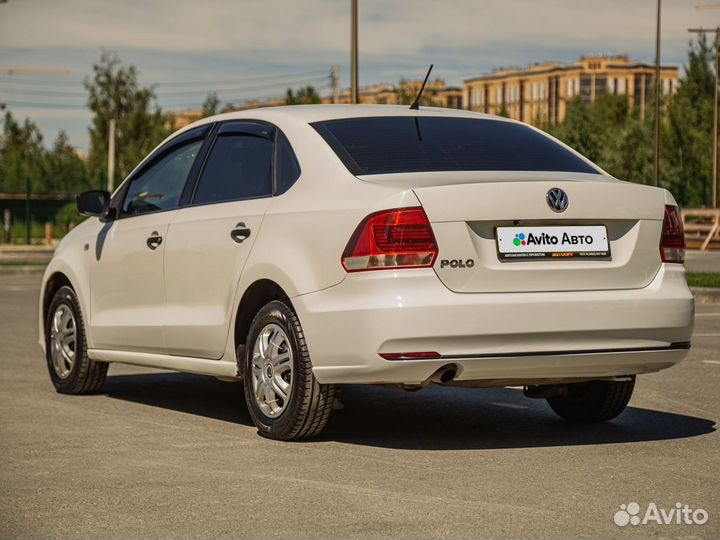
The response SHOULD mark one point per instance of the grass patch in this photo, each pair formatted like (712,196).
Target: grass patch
(704,279)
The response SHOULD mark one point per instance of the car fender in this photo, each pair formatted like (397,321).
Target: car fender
(301,250)
(71,258)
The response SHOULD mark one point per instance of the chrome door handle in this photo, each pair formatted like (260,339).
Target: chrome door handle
(154,240)
(240,233)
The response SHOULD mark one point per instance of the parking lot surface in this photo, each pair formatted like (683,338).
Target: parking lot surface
(170,455)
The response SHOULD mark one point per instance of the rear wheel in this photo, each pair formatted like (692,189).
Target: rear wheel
(285,400)
(593,401)
(71,371)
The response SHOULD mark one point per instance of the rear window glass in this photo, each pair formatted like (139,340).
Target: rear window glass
(382,145)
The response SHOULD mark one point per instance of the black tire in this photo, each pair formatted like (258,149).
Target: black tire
(85,376)
(309,403)
(593,401)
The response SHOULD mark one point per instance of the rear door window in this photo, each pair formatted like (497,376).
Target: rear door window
(399,144)
(239,167)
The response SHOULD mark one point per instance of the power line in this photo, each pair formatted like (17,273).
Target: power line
(37,105)
(29,92)
(265,97)
(250,78)
(165,106)
(295,82)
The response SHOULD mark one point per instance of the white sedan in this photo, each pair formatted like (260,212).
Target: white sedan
(300,248)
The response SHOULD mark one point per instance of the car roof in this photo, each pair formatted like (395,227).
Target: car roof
(317,113)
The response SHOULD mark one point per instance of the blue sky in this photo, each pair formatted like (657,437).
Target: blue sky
(257,42)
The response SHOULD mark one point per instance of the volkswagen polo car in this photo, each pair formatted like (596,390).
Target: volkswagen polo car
(296,249)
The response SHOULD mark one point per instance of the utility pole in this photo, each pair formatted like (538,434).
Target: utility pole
(354,53)
(716,31)
(657,97)
(111,157)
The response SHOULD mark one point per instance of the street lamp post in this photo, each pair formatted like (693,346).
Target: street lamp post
(354,52)
(111,157)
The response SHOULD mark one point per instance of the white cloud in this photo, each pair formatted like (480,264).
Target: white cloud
(203,40)
(401,26)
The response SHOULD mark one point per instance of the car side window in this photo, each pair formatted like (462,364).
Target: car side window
(160,186)
(287,164)
(239,167)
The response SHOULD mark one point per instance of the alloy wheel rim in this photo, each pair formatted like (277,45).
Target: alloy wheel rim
(272,370)
(63,341)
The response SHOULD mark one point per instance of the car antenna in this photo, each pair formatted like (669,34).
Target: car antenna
(416,104)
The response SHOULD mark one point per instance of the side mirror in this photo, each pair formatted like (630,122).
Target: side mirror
(93,203)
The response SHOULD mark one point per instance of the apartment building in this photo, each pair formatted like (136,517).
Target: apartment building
(391,94)
(541,92)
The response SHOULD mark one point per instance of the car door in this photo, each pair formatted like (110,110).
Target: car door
(126,275)
(209,241)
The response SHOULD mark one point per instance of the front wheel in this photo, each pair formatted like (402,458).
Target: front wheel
(285,400)
(71,370)
(593,401)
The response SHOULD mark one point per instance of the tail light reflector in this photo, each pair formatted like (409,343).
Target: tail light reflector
(391,239)
(672,241)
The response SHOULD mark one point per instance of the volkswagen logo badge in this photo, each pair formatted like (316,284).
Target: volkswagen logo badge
(557,200)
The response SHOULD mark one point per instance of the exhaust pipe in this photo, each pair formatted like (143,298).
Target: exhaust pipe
(444,375)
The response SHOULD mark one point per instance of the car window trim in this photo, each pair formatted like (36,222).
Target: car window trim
(186,138)
(197,168)
(221,130)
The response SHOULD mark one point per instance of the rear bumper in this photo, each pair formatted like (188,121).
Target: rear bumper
(513,336)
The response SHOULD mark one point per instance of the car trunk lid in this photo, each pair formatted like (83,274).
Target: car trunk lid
(465,210)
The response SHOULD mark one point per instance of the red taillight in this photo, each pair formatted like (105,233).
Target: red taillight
(672,241)
(400,238)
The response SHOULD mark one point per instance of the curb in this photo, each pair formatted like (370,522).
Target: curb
(706,295)
(22,270)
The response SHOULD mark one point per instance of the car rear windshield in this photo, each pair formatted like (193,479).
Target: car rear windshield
(399,144)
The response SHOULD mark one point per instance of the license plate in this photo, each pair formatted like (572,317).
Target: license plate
(571,242)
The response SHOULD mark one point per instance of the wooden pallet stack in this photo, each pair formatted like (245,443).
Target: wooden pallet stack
(702,228)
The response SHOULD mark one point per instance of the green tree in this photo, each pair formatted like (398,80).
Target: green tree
(304,96)
(407,92)
(578,131)
(66,217)
(211,105)
(22,156)
(611,133)
(688,134)
(65,170)
(114,92)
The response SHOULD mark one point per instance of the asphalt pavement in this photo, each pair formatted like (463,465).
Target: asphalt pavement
(169,455)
